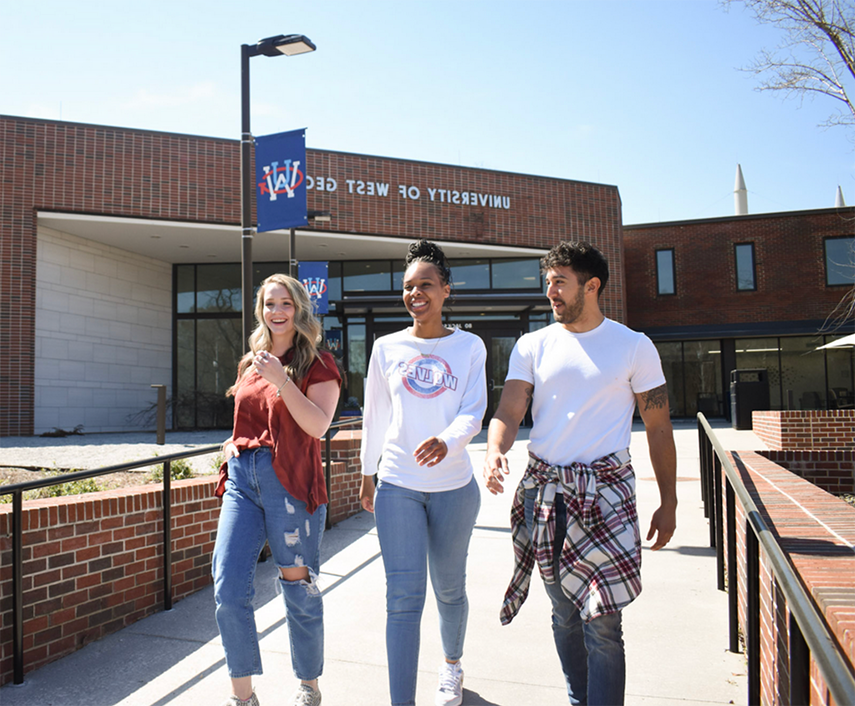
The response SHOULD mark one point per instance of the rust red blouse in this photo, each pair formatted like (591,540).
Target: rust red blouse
(263,419)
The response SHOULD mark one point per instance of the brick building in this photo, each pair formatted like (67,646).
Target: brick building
(120,268)
(745,293)
(120,264)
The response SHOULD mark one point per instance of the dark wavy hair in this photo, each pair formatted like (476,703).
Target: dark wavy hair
(583,258)
(426,251)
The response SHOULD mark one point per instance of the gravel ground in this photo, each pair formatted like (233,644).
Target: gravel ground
(82,452)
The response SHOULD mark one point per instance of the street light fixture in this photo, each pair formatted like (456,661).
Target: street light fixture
(289,45)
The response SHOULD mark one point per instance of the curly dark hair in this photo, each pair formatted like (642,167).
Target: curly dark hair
(583,258)
(426,251)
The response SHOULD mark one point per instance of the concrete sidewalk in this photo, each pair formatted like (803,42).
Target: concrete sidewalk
(675,633)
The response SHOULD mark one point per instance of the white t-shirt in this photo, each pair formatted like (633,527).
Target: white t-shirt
(418,388)
(584,388)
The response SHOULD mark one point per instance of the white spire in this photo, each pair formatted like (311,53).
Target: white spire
(838,201)
(740,194)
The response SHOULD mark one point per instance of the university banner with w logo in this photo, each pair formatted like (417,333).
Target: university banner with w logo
(280,180)
(313,275)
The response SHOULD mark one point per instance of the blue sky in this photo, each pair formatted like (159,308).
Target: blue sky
(643,94)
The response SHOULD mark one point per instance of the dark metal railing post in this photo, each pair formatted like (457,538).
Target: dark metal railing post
(703,455)
(719,524)
(714,476)
(328,473)
(18,586)
(799,666)
(752,614)
(732,571)
(167,535)
(709,481)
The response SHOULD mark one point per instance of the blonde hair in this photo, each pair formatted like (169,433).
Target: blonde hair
(307,332)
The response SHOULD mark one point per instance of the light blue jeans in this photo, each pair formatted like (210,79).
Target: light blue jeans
(591,654)
(421,533)
(256,508)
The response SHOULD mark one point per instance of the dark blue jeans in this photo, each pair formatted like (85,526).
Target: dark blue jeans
(591,654)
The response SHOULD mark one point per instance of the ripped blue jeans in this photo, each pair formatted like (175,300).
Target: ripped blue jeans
(257,508)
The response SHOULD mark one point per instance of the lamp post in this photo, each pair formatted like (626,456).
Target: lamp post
(287,44)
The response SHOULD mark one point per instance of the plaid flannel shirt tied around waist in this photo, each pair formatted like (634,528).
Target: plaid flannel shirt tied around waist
(600,561)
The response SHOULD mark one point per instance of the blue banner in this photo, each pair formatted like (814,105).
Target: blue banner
(334,341)
(313,275)
(280,180)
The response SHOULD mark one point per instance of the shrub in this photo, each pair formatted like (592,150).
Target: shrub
(75,487)
(179,470)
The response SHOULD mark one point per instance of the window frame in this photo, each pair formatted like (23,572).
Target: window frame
(753,287)
(825,241)
(659,291)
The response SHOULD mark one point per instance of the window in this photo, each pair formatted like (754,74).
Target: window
(665,272)
(516,274)
(745,279)
(367,275)
(470,274)
(218,288)
(840,260)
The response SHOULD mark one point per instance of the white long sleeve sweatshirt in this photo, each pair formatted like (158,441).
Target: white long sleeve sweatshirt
(418,388)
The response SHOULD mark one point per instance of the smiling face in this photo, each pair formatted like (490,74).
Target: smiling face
(278,310)
(424,292)
(565,294)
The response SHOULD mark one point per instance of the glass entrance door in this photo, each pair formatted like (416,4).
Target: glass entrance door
(499,347)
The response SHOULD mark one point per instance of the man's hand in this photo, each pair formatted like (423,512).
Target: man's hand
(495,471)
(502,431)
(662,524)
(653,407)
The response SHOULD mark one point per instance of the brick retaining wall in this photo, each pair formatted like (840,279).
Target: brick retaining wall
(807,429)
(93,563)
(344,487)
(817,531)
(833,471)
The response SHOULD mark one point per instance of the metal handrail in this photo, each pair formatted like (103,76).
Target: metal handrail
(340,424)
(809,626)
(17,490)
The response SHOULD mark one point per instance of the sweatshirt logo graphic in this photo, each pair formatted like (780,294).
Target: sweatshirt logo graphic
(427,376)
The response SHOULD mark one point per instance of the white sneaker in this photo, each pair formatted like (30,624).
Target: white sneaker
(306,696)
(450,690)
(235,701)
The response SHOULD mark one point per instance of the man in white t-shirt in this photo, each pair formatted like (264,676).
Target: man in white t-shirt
(574,512)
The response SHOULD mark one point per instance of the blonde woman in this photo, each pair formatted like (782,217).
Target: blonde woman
(273,489)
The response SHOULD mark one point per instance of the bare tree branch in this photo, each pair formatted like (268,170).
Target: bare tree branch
(816,54)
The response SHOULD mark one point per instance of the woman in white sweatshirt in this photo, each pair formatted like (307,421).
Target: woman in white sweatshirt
(425,398)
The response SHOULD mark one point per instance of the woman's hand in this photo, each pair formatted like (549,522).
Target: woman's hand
(230,450)
(366,493)
(430,452)
(270,368)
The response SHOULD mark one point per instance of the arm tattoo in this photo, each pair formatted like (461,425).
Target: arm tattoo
(529,395)
(655,398)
